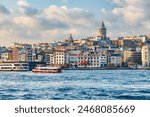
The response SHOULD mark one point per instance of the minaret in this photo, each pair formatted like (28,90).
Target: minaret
(102,31)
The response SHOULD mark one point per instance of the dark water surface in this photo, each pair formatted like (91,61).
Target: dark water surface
(76,85)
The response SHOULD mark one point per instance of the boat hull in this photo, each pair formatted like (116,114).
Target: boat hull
(46,71)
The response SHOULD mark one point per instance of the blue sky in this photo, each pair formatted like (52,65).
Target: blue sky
(52,20)
(93,5)
(87,4)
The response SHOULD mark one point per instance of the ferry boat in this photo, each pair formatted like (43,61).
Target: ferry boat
(14,66)
(47,70)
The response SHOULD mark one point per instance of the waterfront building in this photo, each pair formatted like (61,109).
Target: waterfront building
(88,60)
(132,58)
(116,60)
(35,54)
(34,57)
(48,55)
(93,60)
(73,57)
(103,59)
(22,56)
(6,56)
(109,53)
(15,54)
(59,58)
(41,56)
(146,55)
(28,54)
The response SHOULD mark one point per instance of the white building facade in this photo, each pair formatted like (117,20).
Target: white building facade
(146,55)
(116,60)
(59,58)
(103,59)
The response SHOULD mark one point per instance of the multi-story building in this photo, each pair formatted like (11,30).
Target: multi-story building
(28,54)
(48,55)
(59,58)
(15,54)
(34,55)
(41,57)
(93,60)
(116,60)
(109,53)
(0,55)
(103,59)
(86,59)
(146,55)
(132,58)
(22,56)
(6,56)
(19,45)
(73,57)
(130,42)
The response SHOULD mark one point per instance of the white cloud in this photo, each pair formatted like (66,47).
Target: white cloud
(28,22)
(52,23)
(128,17)
(130,13)
(55,22)
(25,8)
(74,16)
(23,3)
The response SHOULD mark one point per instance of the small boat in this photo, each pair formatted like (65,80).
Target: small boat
(47,70)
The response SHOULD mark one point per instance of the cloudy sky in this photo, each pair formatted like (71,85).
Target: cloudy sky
(33,21)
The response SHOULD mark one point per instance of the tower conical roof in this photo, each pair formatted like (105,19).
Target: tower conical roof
(102,30)
(103,25)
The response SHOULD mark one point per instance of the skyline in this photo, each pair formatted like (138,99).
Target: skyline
(33,21)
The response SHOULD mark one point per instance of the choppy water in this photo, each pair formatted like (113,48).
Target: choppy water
(73,85)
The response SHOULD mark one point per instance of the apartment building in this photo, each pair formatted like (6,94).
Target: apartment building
(59,58)
(146,55)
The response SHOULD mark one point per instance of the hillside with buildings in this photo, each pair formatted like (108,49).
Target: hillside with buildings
(91,52)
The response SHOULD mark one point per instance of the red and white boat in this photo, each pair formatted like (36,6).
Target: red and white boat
(47,70)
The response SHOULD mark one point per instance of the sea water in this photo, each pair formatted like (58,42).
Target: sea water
(76,85)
